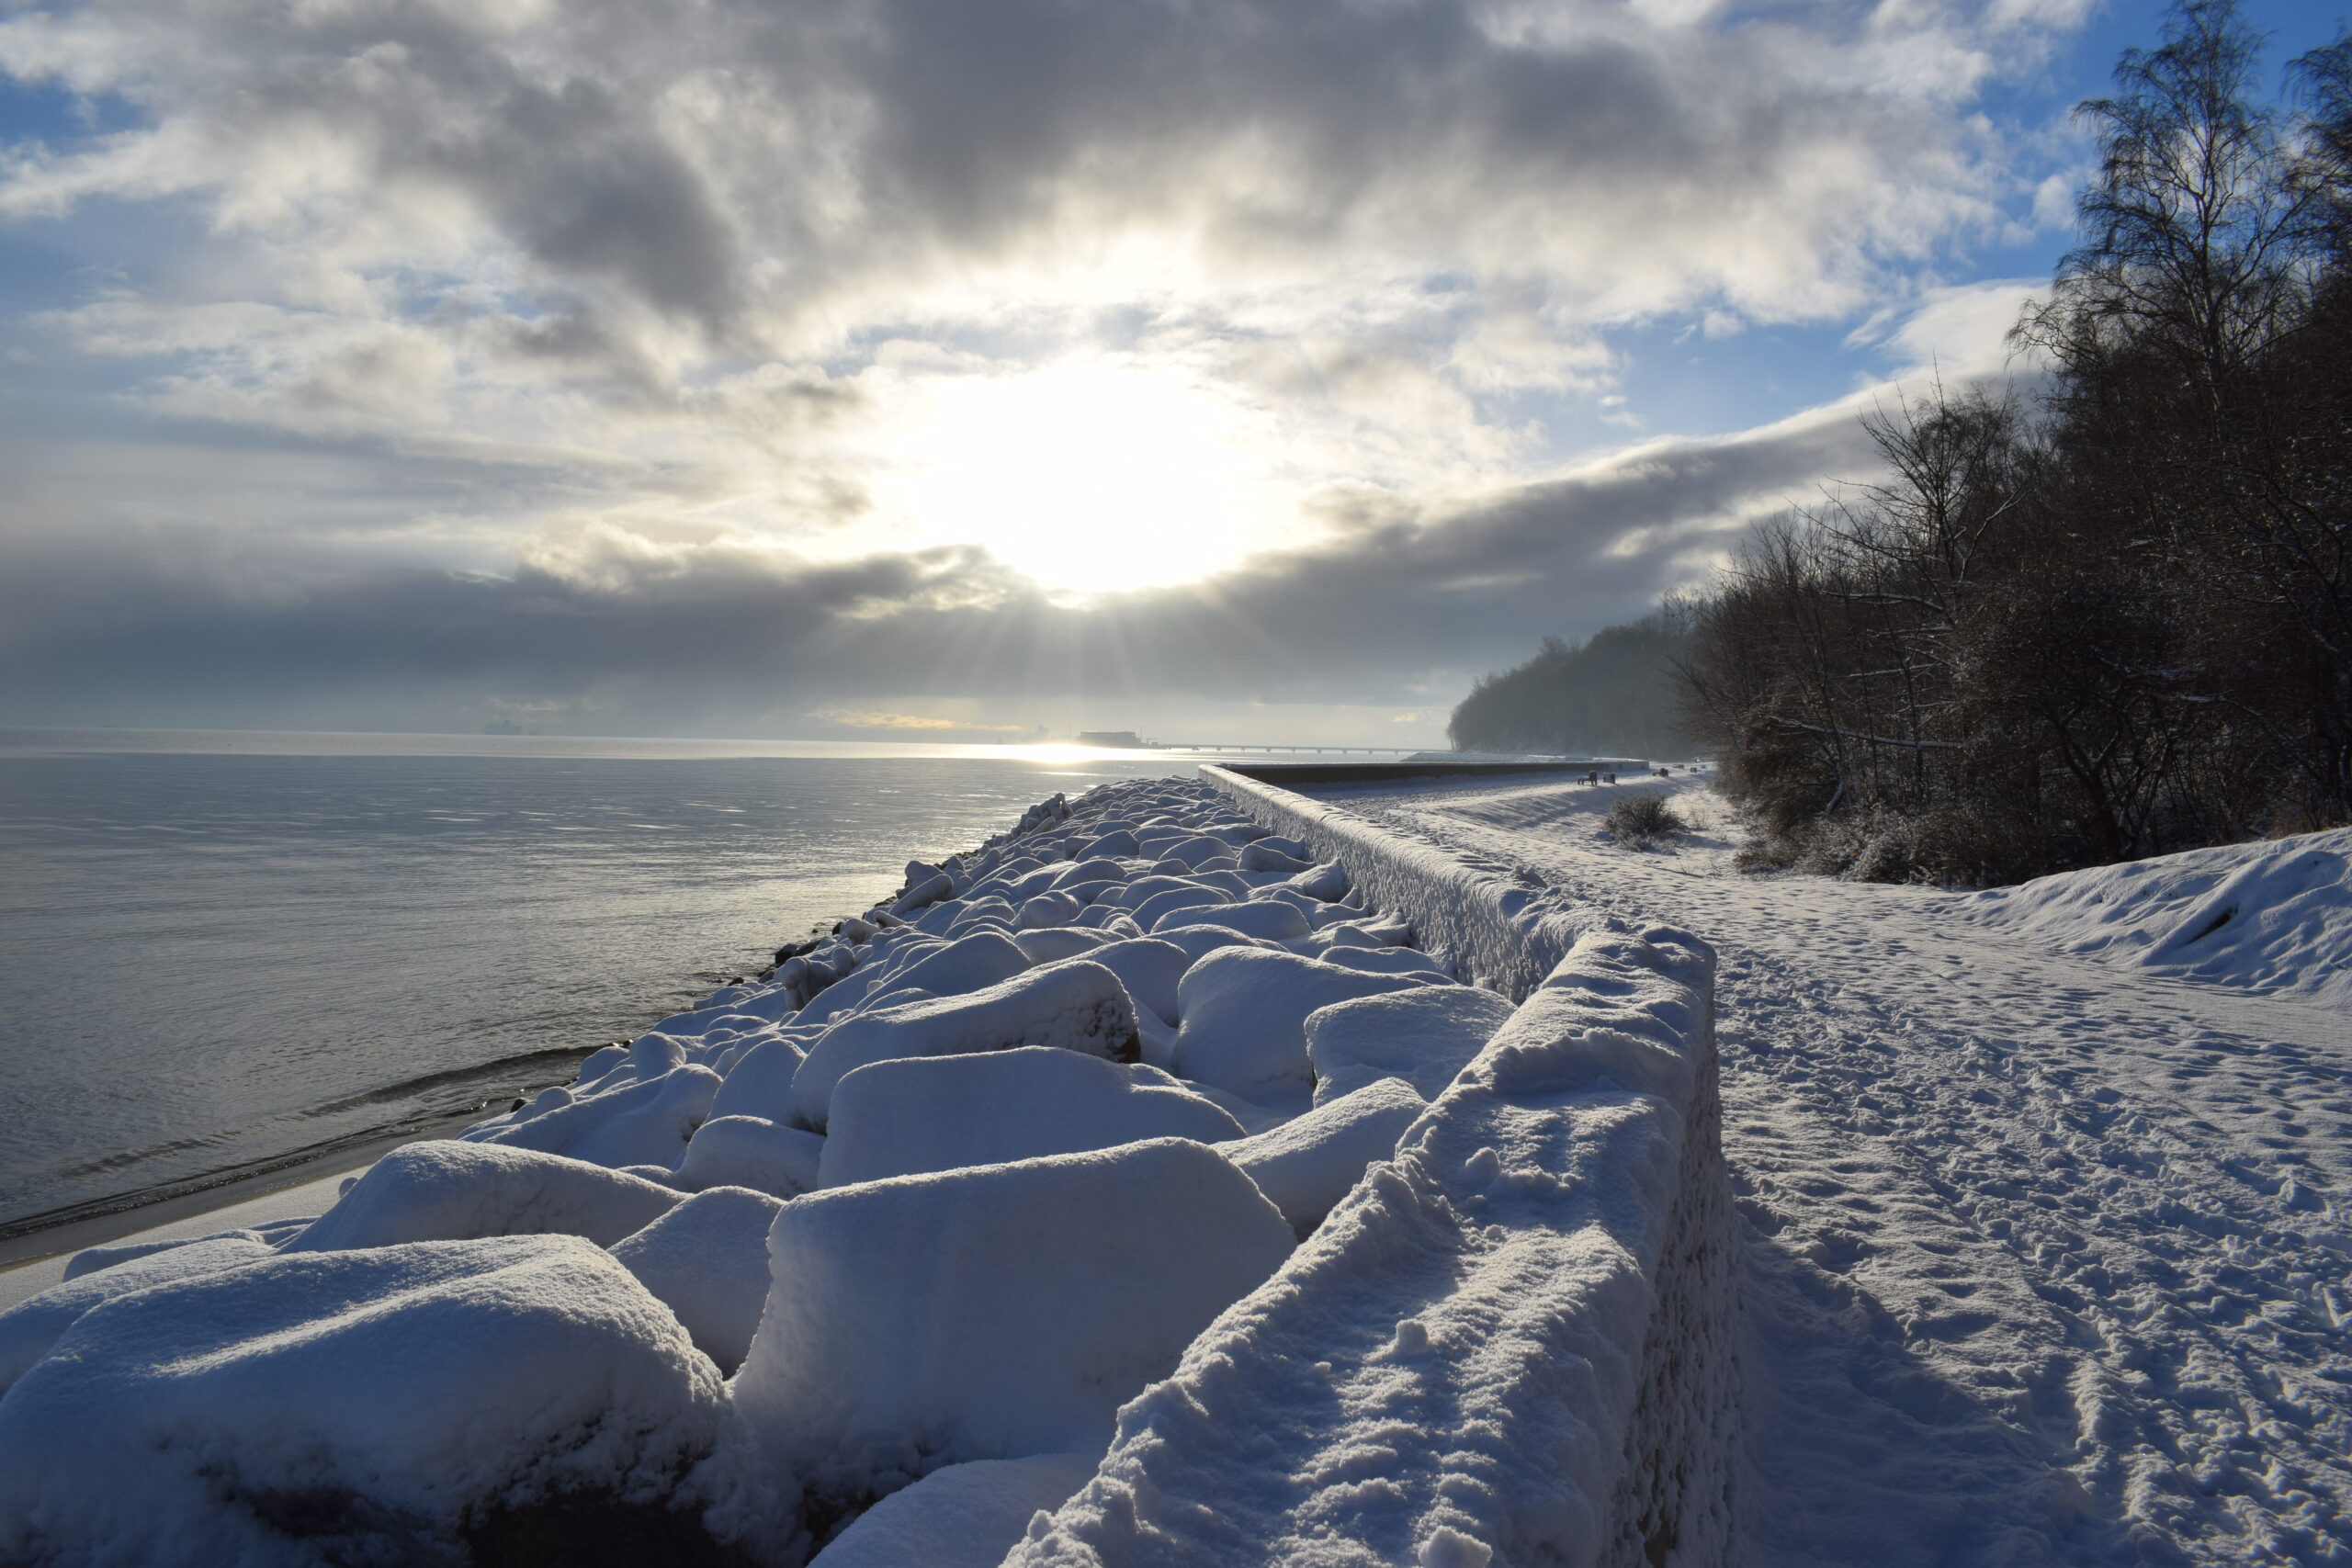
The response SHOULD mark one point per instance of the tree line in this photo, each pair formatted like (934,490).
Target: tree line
(2112,620)
(1615,696)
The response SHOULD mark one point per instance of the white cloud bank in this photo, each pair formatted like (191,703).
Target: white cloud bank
(789,325)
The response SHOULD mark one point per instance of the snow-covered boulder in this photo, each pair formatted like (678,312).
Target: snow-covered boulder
(708,1261)
(1306,1165)
(1149,969)
(1196,852)
(1199,942)
(1424,1037)
(1052,908)
(645,1122)
(441,1189)
(1387,961)
(926,1114)
(1074,1006)
(1148,912)
(751,1151)
(1051,945)
(1244,1020)
(992,1312)
(1266,855)
(1326,883)
(758,1082)
(1265,919)
(371,1406)
(28,1330)
(967,1516)
(971,963)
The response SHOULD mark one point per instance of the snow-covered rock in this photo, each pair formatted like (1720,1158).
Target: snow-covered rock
(1306,1165)
(1051,945)
(751,1151)
(1268,920)
(708,1261)
(758,1082)
(1149,968)
(1074,1006)
(350,1406)
(442,1189)
(33,1326)
(1424,1037)
(926,1114)
(1244,1020)
(967,1516)
(934,1319)
(644,1123)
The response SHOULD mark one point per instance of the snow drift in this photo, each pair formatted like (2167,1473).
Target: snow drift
(2274,917)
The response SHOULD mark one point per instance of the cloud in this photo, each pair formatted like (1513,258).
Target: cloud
(706,365)
(635,633)
(1413,205)
(853,719)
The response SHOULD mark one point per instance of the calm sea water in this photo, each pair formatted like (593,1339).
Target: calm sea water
(221,952)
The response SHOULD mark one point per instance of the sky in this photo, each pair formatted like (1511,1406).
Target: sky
(1253,370)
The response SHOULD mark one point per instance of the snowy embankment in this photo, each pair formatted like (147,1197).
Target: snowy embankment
(2273,917)
(1102,1162)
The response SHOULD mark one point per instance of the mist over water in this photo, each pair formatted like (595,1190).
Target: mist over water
(225,950)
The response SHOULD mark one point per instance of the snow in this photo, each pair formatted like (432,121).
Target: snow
(1454,1368)
(30,1329)
(1243,1019)
(2036,1255)
(1074,1006)
(908,1116)
(751,1151)
(351,1406)
(1306,1165)
(2274,917)
(930,1319)
(1423,1036)
(2040,1250)
(1149,968)
(758,1083)
(442,1189)
(708,1261)
(1480,915)
(646,1122)
(967,1516)
(1265,919)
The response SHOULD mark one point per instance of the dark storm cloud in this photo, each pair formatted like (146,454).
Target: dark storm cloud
(682,641)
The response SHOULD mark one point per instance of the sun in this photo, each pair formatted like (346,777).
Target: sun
(1090,477)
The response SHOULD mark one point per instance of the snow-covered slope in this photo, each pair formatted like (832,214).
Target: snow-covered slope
(2275,916)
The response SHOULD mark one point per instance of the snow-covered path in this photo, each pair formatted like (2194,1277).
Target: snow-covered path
(2046,1257)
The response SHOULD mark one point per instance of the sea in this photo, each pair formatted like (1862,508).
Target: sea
(228,953)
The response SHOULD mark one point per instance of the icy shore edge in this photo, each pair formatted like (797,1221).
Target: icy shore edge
(1511,1344)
